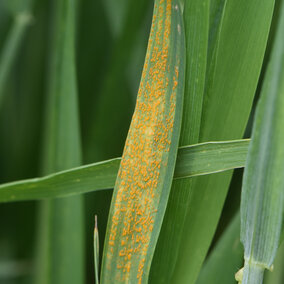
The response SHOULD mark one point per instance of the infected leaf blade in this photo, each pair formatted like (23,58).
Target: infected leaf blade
(147,167)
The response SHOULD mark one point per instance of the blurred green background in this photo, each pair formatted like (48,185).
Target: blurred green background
(111,41)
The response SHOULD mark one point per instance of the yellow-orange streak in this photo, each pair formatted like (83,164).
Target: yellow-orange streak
(142,161)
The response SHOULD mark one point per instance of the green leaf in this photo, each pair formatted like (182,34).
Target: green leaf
(263,183)
(61,249)
(226,257)
(196,16)
(239,51)
(195,160)
(211,157)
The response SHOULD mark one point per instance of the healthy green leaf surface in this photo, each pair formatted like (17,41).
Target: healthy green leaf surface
(196,17)
(226,257)
(60,245)
(239,51)
(205,157)
(263,184)
(195,160)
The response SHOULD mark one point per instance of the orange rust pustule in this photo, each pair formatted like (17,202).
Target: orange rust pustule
(143,161)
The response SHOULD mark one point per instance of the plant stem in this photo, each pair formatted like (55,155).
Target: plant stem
(253,273)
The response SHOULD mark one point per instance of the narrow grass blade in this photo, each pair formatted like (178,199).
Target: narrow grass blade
(61,249)
(240,48)
(195,160)
(263,183)
(147,167)
(226,257)
(96,251)
(12,44)
(196,17)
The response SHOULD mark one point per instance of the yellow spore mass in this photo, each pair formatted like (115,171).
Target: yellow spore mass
(144,162)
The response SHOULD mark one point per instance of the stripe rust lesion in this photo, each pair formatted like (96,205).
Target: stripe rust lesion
(146,147)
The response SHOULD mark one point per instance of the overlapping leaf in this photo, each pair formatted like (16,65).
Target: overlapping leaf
(192,161)
(196,16)
(239,51)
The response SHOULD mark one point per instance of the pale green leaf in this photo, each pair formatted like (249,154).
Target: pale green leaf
(263,184)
